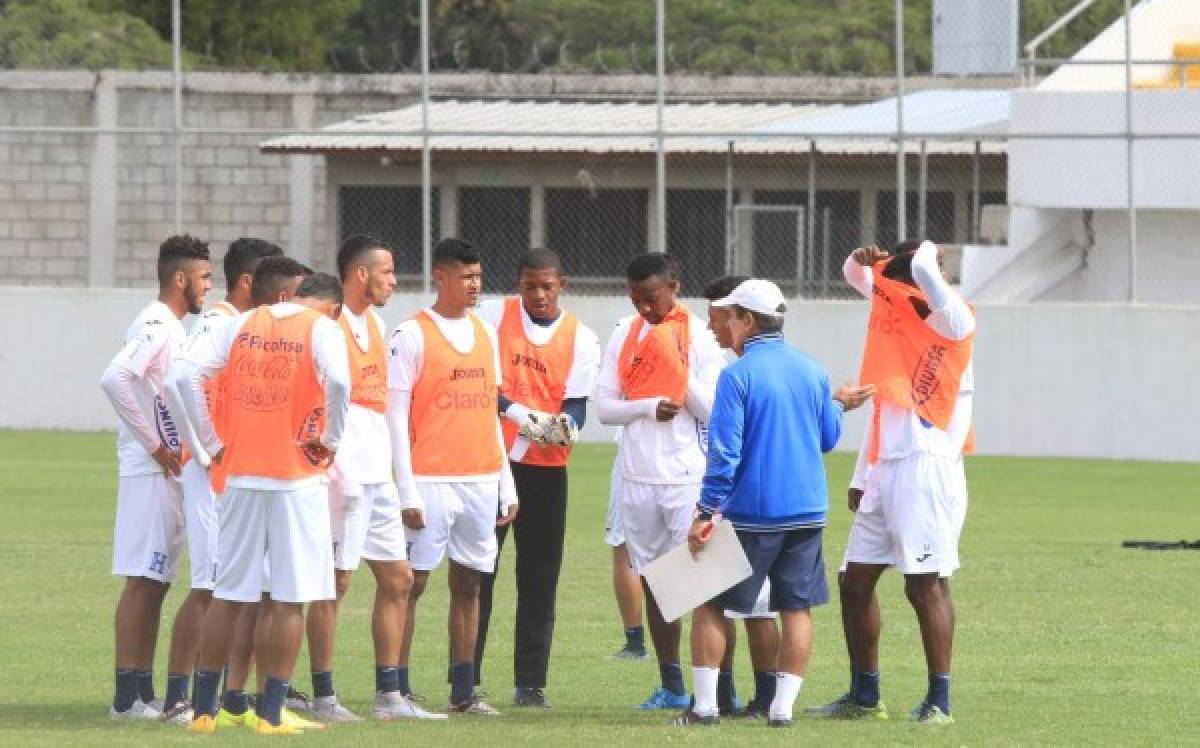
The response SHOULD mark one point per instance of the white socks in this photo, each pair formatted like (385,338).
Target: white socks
(704,683)
(787,688)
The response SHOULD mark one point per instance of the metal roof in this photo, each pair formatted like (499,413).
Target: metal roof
(955,112)
(568,127)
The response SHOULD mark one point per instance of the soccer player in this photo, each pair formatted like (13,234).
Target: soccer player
(199,509)
(919,355)
(762,632)
(657,381)
(550,360)
(772,418)
(148,535)
(448,453)
(289,385)
(364,506)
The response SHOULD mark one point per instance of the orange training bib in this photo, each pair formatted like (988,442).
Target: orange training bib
(368,369)
(911,365)
(275,399)
(657,366)
(535,375)
(452,427)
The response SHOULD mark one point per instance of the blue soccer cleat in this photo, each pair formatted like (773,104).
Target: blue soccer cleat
(664,699)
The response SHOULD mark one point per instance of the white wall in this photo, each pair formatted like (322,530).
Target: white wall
(1070,380)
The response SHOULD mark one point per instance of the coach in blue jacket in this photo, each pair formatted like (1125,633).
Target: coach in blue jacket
(773,416)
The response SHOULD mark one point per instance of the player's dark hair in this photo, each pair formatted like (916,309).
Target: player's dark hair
(900,268)
(450,250)
(762,322)
(320,286)
(539,258)
(647,266)
(175,252)
(354,249)
(719,288)
(272,276)
(675,265)
(244,255)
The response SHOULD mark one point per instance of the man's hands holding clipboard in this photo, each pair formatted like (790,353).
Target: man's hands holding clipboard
(701,532)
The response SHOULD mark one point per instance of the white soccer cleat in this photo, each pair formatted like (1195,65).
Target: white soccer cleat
(395,705)
(180,714)
(475,707)
(327,709)
(139,710)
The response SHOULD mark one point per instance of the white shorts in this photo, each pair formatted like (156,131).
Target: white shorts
(291,528)
(200,518)
(657,518)
(367,525)
(148,533)
(614,528)
(762,606)
(459,518)
(911,516)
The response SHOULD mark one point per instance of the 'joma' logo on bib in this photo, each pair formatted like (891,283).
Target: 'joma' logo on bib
(475,372)
(519,359)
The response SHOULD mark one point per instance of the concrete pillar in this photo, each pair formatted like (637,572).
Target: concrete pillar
(102,208)
(304,108)
(448,206)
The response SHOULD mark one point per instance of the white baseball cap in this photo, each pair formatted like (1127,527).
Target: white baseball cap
(756,295)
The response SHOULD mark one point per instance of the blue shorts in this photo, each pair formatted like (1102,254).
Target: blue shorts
(792,560)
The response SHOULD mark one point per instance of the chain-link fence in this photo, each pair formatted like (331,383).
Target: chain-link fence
(1043,177)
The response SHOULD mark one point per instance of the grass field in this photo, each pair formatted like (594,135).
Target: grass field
(1064,637)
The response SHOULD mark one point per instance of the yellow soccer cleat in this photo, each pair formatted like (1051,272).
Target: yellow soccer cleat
(266,728)
(300,723)
(226,718)
(204,725)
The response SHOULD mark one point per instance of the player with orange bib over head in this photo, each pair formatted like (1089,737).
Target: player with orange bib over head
(550,360)
(199,507)
(913,504)
(657,382)
(289,391)
(364,506)
(448,453)
(148,535)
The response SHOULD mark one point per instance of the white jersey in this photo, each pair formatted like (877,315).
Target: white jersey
(653,451)
(585,363)
(211,320)
(133,382)
(365,456)
(901,431)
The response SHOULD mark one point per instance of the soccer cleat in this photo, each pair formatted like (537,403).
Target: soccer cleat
(263,727)
(476,707)
(138,710)
(833,709)
(327,709)
(779,722)
(690,718)
(930,714)
(632,652)
(297,701)
(204,725)
(298,722)
(226,718)
(531,697)
(395,705)
(731,709)
(180,714)
(664,699)
(754,710)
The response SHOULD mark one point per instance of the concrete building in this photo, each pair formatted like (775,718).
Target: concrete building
(580,177)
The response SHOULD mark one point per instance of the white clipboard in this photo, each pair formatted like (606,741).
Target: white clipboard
(681,583)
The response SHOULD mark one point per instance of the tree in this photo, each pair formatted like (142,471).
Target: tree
(68,34)
(256,34)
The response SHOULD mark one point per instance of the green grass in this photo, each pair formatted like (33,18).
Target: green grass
(1064,637)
